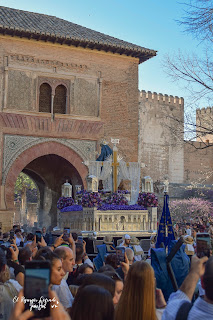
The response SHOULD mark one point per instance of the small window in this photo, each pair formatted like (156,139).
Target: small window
(45,98)
(59,105)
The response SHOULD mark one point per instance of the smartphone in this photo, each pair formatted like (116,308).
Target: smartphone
(12,233)
(120,254)
(38,236)
(36,283)
(203,244)
(66,234)
(80,239)
(12,236)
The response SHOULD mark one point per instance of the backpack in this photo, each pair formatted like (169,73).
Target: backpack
(183,311)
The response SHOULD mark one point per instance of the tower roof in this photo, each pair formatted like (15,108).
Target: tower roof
(50,28)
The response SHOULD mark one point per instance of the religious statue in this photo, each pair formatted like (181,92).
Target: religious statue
(112,170)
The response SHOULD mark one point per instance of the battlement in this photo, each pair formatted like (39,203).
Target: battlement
(148,95)
(204,110)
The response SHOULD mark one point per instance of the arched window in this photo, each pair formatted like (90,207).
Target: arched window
(45,98)
(59,105)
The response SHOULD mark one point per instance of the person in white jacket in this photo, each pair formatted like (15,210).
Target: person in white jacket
(137,249)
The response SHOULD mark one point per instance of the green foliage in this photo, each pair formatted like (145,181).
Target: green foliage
(24,182)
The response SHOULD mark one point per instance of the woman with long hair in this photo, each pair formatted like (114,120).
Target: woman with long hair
(92,303)
(138,297)
(118,285)
(57,273)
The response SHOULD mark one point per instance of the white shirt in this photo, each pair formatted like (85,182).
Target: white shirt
(201,309)
(16,284)
(137,248)
(64,294)
(189,232)
(18,241)
(88,261)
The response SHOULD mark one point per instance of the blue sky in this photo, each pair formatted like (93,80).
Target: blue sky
(148,23)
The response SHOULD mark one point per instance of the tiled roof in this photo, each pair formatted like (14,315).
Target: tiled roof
(49,28)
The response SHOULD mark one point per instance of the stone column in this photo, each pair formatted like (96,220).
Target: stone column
(52,102)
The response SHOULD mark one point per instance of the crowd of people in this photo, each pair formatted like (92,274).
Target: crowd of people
(108,290)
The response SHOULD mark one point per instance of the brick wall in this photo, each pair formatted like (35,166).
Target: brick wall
(110,77)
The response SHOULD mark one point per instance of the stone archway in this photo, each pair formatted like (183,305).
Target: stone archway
(40,158)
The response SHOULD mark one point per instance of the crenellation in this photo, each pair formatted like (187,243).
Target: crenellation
(149,95)
(160,97)
(167,99)
(204,124)
(142,93)
(181,101)
(171,99)
(176,99)
(155,96)
(204,110)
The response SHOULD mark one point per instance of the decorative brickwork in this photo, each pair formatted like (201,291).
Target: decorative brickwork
(61,127)
(19,96)
(35,152)
(15,145)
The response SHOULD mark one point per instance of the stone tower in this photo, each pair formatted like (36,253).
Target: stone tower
(161,136)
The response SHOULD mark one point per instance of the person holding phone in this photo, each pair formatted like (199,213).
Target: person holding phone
(60,241)
(45,235)
(9,288)
(18,312)
(179,300)
(19,238)
(57,272)
(80,258)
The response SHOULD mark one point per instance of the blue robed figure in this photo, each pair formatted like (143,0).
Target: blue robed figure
(106,151)
(165,222)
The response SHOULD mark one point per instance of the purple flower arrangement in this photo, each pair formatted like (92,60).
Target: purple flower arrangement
(65,202)
(75,207)
(116,198)
(114,201)
(90,199)
(147,200)
(123,191)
